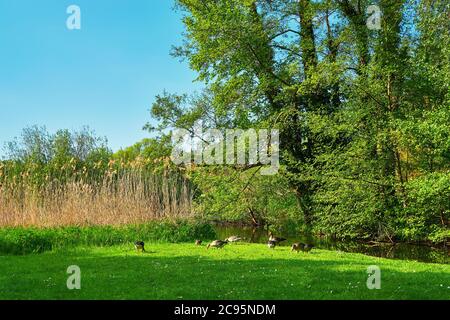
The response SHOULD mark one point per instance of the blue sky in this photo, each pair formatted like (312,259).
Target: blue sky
(105,75)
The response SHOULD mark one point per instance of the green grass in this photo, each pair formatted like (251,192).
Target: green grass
(242,271)
(18,241)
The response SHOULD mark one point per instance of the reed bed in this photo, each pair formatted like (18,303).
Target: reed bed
(128,197)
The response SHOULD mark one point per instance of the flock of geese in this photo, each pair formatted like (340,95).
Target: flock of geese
(219,244)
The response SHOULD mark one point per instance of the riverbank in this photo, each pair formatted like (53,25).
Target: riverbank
(239,271)
(423,252)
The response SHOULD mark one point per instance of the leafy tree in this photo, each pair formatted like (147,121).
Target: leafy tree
(362,113)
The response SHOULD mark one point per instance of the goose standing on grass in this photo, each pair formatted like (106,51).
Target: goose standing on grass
(297,247)
(234,239)
(302,247)
(140,246)
(277,240)
(307,248)
(271,244)
(219,244)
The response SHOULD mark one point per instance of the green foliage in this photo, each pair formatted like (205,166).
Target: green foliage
(18,241)
(363,115)
(227,194)
(428,210)
(38,157)
(147,149)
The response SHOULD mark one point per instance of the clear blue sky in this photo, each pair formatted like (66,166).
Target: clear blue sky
(105,75)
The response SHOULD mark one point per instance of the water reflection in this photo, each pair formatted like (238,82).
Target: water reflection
(402,251)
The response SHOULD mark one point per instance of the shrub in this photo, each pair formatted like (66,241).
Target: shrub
(428,211)
(19,241)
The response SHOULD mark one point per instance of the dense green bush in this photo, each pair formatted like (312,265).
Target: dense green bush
(428,212)
(33,240)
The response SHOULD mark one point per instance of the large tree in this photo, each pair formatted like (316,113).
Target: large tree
(345,98)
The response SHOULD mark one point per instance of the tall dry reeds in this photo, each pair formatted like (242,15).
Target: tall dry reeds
(118,198)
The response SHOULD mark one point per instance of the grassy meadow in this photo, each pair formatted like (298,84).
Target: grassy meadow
(241,271)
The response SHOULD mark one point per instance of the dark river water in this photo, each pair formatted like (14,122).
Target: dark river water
(402,251)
